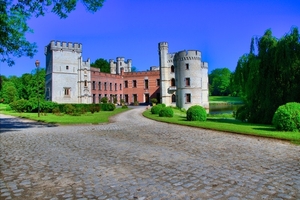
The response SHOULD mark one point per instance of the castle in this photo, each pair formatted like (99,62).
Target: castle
(180,80)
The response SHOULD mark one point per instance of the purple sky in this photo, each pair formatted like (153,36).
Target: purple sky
(220,29)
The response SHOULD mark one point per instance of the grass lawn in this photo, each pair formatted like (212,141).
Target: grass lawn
(88,118)
(225,99)
(228,124)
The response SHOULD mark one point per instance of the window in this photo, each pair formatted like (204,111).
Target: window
(172,69)
(173,98)
(116,87)
(157,82)
(120,63)
(134,97)
(134,83)
(85,83)
(187,98)
(187,82)
(105,86)
(120,86)
(146,84)
(94,98)
(67,67)
(126,98)
(173,82)
(94,85)
(100,86)
(187,66)
(110,86)
(67,91)
(99,98)
(125,84)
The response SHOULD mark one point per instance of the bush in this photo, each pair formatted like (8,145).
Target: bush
(287,117)
(166,112)
(107,106)
(241,113)
(196,113)
(124,106)
(153,101)
(19,105)
(56,111)
(156,109)
(104,99)
(136,103)
(69,109)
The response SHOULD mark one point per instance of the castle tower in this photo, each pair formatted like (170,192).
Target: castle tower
(64,81)
(189,78)
(164,73)
(115,67)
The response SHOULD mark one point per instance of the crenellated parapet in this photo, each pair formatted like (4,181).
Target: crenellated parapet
(63,46)
(188,55)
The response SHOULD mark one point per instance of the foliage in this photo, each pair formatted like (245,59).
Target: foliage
(13,23)
(19,105)
(9,92)
(124,106)
(154,100)
(287,117)
(104,100)
(166,112)
(219,82)
(102,64)
(155,109)
(242,114)
(134,69)
(136,103)
(69,109)
(270,77)
(107,106)
(196,113)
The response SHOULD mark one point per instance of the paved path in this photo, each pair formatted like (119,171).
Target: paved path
(137,158)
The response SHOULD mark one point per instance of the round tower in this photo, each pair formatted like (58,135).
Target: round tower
(164,73)
(188,77)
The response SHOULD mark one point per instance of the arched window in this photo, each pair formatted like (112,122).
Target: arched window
(173,98)
(172,69)
(173,82)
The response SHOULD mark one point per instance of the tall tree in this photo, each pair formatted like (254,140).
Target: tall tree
(271,77)
(219,80)
(14,15)
(102,64)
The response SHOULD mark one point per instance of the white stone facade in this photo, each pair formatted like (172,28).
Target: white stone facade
(68,78)
(184,78)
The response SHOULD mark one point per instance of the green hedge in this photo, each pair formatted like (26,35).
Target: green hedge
(196,113)
(166,112)
(287,117)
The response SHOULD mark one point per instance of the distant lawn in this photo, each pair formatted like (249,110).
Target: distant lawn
(228,124)
(225,99)
(88,118)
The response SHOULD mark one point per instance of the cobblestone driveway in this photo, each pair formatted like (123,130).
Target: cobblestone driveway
(137,158)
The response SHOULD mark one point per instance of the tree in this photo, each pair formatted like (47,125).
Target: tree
(9,92)
(219,80)
(133,69)
(13,23)
(102,64)
(271,77)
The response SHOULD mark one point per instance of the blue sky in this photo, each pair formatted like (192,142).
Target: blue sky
(220,29)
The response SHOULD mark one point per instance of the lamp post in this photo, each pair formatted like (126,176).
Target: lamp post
(37,64)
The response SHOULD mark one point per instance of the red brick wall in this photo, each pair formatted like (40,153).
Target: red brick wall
(142,94)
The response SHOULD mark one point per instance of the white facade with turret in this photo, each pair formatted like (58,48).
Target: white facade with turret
(184,78)
(115,66)
(68,77)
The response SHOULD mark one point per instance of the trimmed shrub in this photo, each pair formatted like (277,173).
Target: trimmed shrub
(69,109)
(56,111)
(166,112)
(107,106)
(124,106)
(196,113)
(136,103)
(287,117)
(156,109)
